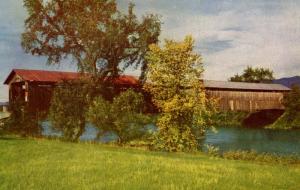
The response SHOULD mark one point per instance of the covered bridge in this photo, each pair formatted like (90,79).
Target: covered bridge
(36,87)
(242,96)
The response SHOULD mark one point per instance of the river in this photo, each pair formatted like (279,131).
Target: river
(282,142)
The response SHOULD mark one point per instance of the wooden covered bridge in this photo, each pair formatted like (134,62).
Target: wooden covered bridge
(242,96)
(36,87)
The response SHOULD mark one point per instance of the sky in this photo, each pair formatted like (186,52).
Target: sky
(229,34)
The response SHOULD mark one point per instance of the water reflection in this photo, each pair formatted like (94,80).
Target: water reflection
(90,133)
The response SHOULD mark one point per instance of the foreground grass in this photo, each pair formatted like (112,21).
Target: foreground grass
(50,164)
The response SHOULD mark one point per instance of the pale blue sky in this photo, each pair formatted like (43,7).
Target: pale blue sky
(230,34)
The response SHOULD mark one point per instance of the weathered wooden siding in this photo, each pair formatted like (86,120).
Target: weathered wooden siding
(39,97)
(16,91)
(230,100)
(36,95)
(36,87)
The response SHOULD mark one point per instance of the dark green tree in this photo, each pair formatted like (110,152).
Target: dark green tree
(236,78)
(255,75)
(99,38)
(68,106)
(124,116)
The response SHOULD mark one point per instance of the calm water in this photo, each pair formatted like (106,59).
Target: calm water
(261,140)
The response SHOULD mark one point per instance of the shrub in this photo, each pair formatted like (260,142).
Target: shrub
(22,121)
(68,107)
(142,144)
(124,116)
(261,157)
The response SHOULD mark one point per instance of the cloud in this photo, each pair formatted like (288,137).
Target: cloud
(268,41)
(234,34)
(211,46)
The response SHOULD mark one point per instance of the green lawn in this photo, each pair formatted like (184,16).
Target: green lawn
(50,164)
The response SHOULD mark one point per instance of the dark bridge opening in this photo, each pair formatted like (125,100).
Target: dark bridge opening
(262,118)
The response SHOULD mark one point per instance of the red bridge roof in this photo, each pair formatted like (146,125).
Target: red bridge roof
(57,76)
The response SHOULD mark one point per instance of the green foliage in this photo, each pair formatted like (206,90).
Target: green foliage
(94,33)
(68,107)
(256,75)
(292,101)
(124,116)
(173,135)
(22,121)
(261,157)
(174,83)
(99,113)
(291,117)
(228,119)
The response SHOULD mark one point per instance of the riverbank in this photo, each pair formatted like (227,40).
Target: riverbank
(52,164)
(286,122)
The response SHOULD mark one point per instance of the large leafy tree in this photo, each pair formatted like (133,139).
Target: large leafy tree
(256,75)
(173,80)
(98,37)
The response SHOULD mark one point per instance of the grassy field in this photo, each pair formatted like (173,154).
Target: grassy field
(51,164)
